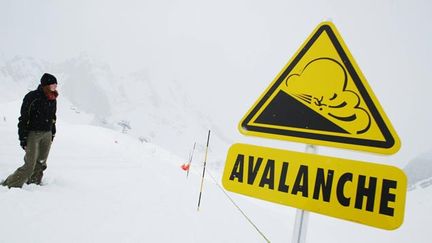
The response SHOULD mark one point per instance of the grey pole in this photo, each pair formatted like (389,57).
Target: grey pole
(302,216)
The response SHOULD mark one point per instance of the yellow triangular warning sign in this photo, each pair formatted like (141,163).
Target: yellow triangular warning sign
(321,97)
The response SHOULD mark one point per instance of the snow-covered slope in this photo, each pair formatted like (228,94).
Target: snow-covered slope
(419,171)
(105,186)
(17,76)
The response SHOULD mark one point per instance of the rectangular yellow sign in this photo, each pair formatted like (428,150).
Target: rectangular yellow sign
(362,192)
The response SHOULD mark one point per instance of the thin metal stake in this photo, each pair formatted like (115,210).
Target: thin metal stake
(190,160)
(205,162)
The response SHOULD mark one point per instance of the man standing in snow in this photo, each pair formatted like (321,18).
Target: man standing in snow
(36,130)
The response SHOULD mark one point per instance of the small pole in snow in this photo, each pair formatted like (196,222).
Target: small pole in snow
(205,162)
(190,160)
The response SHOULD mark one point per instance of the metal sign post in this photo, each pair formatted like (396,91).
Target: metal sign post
(302,216)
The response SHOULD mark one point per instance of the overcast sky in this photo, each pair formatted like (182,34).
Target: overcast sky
(132,33)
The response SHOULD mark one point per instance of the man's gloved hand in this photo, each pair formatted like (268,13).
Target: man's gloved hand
(23,144)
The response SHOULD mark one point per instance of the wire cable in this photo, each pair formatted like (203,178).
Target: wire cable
(241,211)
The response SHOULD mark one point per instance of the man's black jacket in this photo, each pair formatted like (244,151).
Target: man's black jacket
(37,114)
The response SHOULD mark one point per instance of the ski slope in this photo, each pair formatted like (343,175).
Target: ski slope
(105,186)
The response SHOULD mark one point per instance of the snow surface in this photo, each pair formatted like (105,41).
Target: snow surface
(175,69)
(105,186)
(419,171)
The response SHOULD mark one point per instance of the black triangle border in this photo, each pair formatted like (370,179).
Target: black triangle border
(389,139)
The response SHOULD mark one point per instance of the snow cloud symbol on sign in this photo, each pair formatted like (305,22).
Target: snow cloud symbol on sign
(322,86)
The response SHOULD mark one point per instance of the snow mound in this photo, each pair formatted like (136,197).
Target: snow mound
(419,171)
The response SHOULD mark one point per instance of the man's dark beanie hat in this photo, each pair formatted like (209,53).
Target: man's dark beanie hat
(48,79)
